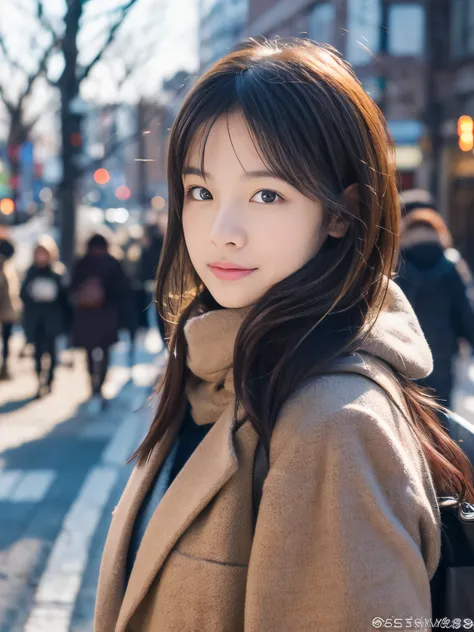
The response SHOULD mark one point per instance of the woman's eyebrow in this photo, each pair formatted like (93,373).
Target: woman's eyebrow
(195,171)
(247,175)
(260,173)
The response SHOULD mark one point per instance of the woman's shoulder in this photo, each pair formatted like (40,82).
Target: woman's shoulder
(355,421)
(353,398)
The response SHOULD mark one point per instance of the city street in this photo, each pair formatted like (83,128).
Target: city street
(62,470)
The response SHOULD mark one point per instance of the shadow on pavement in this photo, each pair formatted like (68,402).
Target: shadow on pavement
(16,404)
(28,529)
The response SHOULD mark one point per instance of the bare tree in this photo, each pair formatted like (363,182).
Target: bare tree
(18,80)
(69,82)
(69,48)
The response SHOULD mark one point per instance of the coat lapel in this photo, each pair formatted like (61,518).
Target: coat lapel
(209,468)
(114,559)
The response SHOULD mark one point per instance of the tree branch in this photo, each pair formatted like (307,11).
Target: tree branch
(6,102)
(123,12)
(41,70)
(8,58)
(43,20)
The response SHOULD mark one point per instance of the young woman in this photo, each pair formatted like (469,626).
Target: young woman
(287,332)
(46,309)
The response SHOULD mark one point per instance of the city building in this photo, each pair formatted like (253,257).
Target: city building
(452,97)
(384,40)
(220,26)
(129,141)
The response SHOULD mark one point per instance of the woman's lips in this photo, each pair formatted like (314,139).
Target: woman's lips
(230,274)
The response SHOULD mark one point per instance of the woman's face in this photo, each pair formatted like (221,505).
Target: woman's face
(41,257)
(245,229)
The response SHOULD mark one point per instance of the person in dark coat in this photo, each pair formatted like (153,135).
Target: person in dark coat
(436,282)
(149,260)
(99,291)
(46,308)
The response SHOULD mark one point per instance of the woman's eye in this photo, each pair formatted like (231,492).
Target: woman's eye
(199,193)
(266,197)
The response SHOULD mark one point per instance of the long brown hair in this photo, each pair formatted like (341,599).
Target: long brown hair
(315,127)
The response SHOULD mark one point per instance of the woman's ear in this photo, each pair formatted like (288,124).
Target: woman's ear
(338,226)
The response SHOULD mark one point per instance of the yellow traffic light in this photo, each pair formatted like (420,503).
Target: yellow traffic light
(466,133)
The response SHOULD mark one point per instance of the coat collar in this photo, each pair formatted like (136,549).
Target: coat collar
(209,468)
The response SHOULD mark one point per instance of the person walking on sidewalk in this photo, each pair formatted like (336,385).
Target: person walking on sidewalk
(149,261)
(99,289)
(46,308)
(10,305)
(436,282)
(292,349)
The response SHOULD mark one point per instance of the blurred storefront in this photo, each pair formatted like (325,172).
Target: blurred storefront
(391,67)
(457,196)
(408,153)
(453,96)
(220,26)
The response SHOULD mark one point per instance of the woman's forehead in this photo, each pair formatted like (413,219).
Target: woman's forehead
(227,140)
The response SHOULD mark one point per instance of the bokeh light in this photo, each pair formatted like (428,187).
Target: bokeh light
(102,176)
(158,203)
(123,193)
(7,206)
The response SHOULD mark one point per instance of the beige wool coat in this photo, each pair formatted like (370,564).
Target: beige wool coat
(348,526)
(10,304)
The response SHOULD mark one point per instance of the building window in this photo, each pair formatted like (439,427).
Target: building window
(470,28)
(322,23)
(457,28)
(363,31)
(462,28)
(406,29)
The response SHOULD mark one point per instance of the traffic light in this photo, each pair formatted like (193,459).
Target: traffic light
(465,133)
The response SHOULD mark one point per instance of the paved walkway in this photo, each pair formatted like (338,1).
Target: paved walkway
(62,470)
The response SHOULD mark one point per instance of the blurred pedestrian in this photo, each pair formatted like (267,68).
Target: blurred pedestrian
(46,308)
(10,305)
(412,199)
(131,316)
(436,282)
(99,290)
(149,261)
(288,481)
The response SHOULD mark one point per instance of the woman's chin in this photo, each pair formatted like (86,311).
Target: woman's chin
(233,297)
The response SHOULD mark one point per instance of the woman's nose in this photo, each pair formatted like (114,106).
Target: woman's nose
(228,229)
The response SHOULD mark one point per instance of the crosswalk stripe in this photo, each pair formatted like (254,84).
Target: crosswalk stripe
(33,486)
(59,585)
(8,482)
(61,581)
(25,486)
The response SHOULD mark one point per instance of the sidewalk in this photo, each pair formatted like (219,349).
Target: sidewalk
(62,470)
